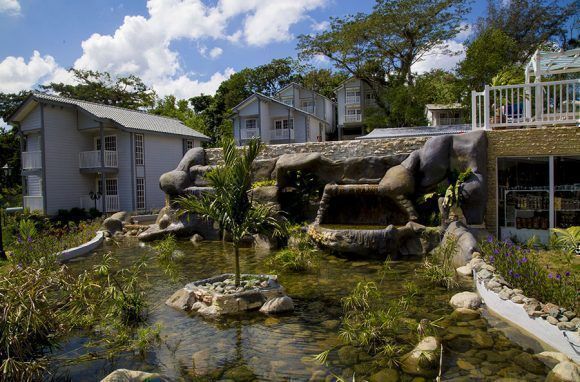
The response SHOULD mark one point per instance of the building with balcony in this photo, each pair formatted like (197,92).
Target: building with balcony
(294,114)
(353,96)
(444,114)
(71,148)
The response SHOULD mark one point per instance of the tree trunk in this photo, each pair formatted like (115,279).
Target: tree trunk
(237,253)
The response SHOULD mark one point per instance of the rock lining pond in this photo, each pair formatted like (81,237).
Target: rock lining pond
(272,348)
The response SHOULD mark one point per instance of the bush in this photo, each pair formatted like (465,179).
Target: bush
(301,254)
(519,265)
(439,267)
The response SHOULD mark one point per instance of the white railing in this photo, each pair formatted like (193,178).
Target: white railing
(112,203)
(279,134)
(353,100)
(92,159)
(250,133)
(34,203)
(31,160)
(352,118)
(524,105)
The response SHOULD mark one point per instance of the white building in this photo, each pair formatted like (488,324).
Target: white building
(71,148)
(353,96)
(444,114)
(294,114)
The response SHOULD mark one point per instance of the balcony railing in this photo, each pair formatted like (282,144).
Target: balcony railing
(31,160)
(112,203)
(92,159)
(526,105)
(279,134)
(349,118)
(34,203)
(250,133)
(353,100)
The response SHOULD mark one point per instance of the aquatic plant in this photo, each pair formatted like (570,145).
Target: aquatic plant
(520,267)
(438,267)
(229,203)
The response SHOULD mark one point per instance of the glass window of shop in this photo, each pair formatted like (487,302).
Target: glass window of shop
(536,194)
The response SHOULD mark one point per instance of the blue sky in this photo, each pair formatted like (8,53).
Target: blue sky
(181,47)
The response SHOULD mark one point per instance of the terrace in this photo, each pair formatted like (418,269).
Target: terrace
(533,104)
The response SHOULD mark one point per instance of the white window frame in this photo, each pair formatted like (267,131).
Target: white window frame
(283,124)
(357,111)
(140,196)
(139,149)
(255,122)
(108,142)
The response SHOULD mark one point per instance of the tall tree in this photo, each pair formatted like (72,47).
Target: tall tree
(169,106)
(9,142)
(323,81)
(530,23)
(101,87)
(383,45)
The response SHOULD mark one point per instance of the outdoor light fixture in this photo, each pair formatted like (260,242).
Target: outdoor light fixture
(95,196)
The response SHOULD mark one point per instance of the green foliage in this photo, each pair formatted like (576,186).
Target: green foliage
(170,107)
(264,183)
(229,204)
(166,247)
(453,195)
(520,267)
(373,322)
(509,75)
(567,240)
(438,268)
(323,81)
(168,257)
(9,155)
(27,229)
(439,86)
(129,92)
(300,256)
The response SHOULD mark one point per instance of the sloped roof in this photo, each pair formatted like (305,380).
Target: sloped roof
(127,118)
(419,131)
(443,106)
(264,97)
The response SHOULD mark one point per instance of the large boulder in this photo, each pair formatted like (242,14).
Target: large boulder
(113,225)
(469,300)
(397,181)
(423,359)
(466,242)
(124,375)
(278,305)
(564,372)
(552,358)
(174,182)
(434,159)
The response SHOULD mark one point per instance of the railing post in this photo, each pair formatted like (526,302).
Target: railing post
(486,108)
(539,104)
(473,110)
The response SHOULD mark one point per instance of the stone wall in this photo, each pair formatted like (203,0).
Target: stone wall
(336,150)
(524,142)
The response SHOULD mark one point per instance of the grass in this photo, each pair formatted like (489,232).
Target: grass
(438,268)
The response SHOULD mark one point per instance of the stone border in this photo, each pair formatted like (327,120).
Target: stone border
(83,249)
(523,312)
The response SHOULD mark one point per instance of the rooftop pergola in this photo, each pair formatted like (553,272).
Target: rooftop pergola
(547,63)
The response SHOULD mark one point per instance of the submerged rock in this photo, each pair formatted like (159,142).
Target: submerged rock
(465,314)
(124,375)
(468,300)
(423,359)
(385,375)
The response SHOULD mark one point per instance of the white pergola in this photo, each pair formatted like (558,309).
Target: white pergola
(547,63)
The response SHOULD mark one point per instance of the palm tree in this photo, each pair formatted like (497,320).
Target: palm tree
(229,203)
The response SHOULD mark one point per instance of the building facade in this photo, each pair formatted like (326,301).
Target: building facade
(353,96)
(73,148)
(293,115)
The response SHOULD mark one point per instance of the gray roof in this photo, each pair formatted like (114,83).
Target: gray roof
(443,106)
(419,131)
(130,119)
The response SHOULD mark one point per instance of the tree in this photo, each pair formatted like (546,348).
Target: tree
(129,92)
(486,55)
(323,81)
(229,204)
(439,86)
(382,46)
(272,77)
(169,106)
(529,23)
(9,141)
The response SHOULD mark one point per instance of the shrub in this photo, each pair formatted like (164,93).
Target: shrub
(567,240)
(519,265)
(439,267)
(264,183)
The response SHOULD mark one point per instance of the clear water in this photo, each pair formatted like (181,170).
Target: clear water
(257,347)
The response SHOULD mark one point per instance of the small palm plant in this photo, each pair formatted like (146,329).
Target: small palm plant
(229,203)
(568,240)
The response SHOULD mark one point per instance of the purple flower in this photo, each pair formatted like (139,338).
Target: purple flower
(525,260)
(507,254)
(496,251)
(517,275)
(567,273)
(550,275)
(558,276)
(29,239)
(510,271)
(490,239)
(491,259)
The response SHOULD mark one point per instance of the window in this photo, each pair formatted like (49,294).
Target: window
(140,193)
(189,144)
(282,124)
(307,105)
(251,124)
(288,100)
(110,143)
(352,95)
(139,151)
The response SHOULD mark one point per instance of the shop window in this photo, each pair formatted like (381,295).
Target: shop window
(566,192)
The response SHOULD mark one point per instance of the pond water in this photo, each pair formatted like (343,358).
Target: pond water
(257,347)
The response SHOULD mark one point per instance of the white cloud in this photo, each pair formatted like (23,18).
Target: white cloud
(11,7)
(185,87)
(321,26)
(439,58)
(216,52)
(466,32)
(16,74)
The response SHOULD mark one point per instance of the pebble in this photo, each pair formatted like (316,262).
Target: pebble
(552,320)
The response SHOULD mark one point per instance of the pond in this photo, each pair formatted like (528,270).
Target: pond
(257,347)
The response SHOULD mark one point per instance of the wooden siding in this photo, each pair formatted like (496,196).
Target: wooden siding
(32,120)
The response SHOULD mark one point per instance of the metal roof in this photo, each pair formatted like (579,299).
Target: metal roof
(546,63)
(130,119)
(418,131)
(448,106)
